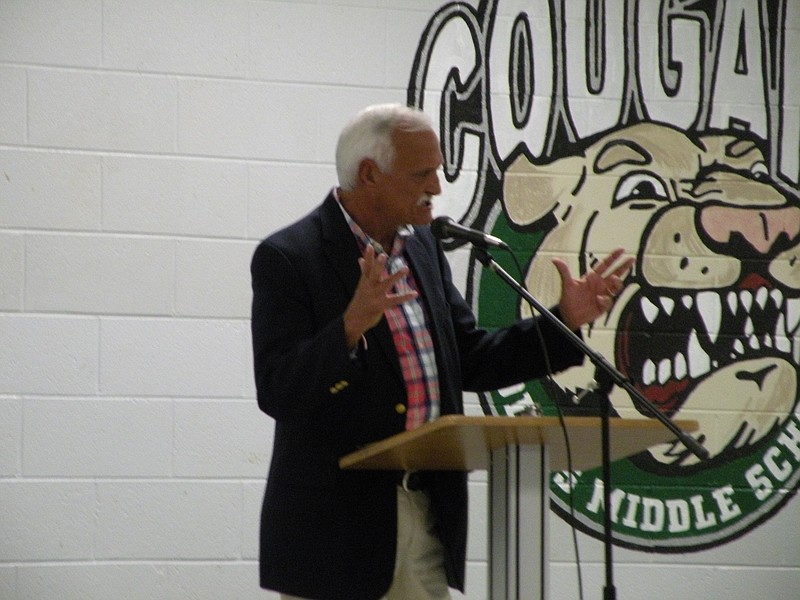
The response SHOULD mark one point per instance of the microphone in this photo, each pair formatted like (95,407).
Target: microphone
(445,227)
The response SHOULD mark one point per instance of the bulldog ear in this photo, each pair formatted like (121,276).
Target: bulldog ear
(531,192)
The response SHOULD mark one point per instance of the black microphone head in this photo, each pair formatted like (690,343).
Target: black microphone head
(439,227)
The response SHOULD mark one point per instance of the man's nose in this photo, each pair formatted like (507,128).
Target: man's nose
(435,188)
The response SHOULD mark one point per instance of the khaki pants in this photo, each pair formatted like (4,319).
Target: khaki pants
(419,567)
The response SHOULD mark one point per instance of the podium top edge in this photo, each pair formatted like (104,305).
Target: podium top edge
(467,436)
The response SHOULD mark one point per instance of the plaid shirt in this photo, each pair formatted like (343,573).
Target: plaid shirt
(410,333)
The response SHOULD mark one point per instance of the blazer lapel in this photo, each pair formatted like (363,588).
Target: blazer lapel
(424,262)
(341,250)
(428,278)
(339,245)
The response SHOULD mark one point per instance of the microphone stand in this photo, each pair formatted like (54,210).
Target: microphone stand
(606,376)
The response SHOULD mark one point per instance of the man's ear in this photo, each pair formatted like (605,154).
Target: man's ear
(368,171)
(531,192)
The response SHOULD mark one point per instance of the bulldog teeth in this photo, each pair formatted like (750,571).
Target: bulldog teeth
(649,310)
(761,297)
(780,326)
(745,309)
(733,302)
(699,361)
(746,296)
(783,343)
(664,371)
(792,315)
(748,327)
(710,309)
(777,298)
(680,369)
(649,372)
(753,342)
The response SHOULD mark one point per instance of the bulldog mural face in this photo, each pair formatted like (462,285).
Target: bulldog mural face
(707,326)
(670,129)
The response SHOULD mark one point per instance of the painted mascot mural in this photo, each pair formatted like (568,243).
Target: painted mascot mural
(567,132)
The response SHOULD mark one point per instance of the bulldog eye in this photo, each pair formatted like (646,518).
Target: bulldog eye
(759,171)
(640,186)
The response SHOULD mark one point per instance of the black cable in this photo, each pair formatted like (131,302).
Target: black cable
(565,432)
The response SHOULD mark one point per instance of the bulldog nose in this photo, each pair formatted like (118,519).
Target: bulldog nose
(767,230)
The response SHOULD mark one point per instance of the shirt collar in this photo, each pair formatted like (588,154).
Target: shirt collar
(403,233)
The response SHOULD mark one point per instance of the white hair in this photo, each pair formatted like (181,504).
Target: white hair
(369,135)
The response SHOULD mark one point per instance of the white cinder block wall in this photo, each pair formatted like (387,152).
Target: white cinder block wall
(145,147)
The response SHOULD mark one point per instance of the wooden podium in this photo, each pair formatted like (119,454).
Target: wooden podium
(518,453)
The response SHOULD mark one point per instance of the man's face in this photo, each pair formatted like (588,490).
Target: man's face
(407,188)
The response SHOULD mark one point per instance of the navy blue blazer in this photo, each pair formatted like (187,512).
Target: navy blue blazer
(325,532)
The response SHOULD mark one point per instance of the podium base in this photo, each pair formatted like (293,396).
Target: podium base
(518,536)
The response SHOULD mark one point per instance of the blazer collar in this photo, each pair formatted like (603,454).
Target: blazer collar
(339,244)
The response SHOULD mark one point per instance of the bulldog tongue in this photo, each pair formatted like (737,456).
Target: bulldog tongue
(667,397)
(754,281)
